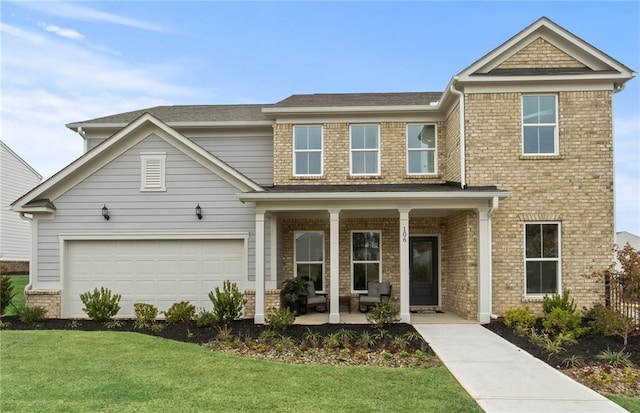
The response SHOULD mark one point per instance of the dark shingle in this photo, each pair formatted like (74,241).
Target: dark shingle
(359,99)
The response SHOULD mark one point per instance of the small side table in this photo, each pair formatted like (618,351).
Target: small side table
(345,299)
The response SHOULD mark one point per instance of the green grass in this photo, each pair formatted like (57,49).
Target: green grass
(18,282)
(70,371)
(630,403)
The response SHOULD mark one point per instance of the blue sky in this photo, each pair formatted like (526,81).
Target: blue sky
(66,62)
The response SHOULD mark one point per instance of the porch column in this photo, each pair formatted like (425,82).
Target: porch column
(484,265)
(405,315)
(259,313)
(273,258)
(334,251)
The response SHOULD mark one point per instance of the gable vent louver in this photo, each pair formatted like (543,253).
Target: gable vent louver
(152,171)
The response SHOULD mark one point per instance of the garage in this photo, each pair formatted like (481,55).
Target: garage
(156,271)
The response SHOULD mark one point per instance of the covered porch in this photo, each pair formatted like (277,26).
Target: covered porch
(315,318)
(431,242)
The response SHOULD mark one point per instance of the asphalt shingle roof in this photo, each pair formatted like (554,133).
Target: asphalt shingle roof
(359,99)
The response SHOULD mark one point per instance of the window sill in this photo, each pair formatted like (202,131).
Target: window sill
(424,176)
(357,177)
(532,299)
(541,157)
(307,177)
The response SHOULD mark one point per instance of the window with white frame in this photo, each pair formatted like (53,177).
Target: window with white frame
(421,149)
(539,125)
(365,150)
(542,258)
(309,257)
(152,171)
(365,258)
(307,150)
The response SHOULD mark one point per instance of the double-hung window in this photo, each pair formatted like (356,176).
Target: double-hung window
(365,150)
(365,258)
(542,258)
(307,150)
(309,257)
(421,149)
(539,125)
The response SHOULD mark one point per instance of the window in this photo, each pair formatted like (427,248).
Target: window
(539,125)
(307,150)
(365,150)
(309,257)
(542,258)
(421,149)
(365,258)
(152,171)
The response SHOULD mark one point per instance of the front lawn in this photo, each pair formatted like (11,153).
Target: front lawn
(118,371)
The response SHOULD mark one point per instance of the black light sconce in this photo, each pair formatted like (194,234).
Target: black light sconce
(105,212)
(199,211)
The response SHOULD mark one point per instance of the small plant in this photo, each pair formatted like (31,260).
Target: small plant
(404,353)
(32,314)
(312,338)
(560,320)
(292,291)
(610,322)
(228,303)
(537,338)
(280,319)
(399,342)
(331,341)
(418,354)
(345,354)
(145,315)
(520,319)
(100,305)
(384,313)
(205,319)
(552,346)
(113,324)
(6,293)
(344,337)
(572,362)
(156,327)
(182,312)
(365,340)
(72,325)
(558,301)
(412,336)
(267,336)
(4,325)
(615,358)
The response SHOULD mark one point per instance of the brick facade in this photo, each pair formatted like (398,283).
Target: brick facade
(49,299)
(540,54)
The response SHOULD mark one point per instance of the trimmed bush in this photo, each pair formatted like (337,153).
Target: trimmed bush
(30,315)
(562,321)
(145,315)
(205,318)
(228,303)
(100,305)
(519,318)
(182,312)
(280,318)
(6,293)
(558,301)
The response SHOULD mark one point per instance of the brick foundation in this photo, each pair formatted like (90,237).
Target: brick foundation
(49,299)
(271,299)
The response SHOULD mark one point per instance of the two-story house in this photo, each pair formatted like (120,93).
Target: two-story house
(473,200)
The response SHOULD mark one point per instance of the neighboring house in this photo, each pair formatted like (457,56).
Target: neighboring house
(16,178)
(623,238)
(477,199)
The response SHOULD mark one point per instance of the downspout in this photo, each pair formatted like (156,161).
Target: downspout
(463,162)
(30,283)
(494,208)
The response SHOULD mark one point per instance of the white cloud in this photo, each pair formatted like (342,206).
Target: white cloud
(68,33)
(19,33)
(81,12)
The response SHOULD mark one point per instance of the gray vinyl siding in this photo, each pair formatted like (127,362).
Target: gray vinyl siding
(117,185)
(16,179)
(252,156)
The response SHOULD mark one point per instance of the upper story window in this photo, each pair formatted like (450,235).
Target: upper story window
(421,149)
(539,125)
(307,150)
(152,171)
(365,150)
(542,258)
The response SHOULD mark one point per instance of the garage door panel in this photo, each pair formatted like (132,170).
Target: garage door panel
(160,272)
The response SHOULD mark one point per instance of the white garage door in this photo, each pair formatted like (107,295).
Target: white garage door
(160,272)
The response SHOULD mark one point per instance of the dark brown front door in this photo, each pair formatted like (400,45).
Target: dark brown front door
(423,271)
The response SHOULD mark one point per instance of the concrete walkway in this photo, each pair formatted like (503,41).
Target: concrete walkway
(503,378)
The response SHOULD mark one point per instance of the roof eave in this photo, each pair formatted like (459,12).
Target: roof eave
(296,196)
(216,124)
(305,110)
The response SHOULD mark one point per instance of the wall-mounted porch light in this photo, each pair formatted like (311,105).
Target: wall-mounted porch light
(199,211)
(105,212)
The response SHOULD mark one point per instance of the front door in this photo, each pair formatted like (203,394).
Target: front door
(423,271)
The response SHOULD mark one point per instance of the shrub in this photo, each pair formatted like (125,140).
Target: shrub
(100,305)
(558,301)
(145,315)
(610,322)
(562,321)
(519,318)
(182,312)
(228,303)
(280,319)
(384,313)
(6,293)
(615,358)
(32,314)
(205,318)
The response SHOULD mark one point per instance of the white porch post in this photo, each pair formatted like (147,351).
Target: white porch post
(334,250)
(405,315)
(484,266)
(273,258)
(259,313)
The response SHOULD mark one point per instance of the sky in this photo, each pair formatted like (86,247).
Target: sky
(63,62)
